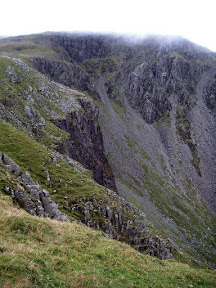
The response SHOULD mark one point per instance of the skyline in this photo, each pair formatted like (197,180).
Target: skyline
(189,19)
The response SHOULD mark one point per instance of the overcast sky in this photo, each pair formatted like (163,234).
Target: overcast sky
(192,19)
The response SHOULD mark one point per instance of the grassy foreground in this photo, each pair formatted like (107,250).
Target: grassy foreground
(38,252)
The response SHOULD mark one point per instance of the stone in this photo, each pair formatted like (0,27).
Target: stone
(47,175)
(10,165)
(30,89)
(25,202)
(87,216)
(26,179)
(12,74)
(28,112)
(45,193)
(34,191)
(109,213)
(20,188)
(40,211)
(30,100)
(1,155)
(7,189)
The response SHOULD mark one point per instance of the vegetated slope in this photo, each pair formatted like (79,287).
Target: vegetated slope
(157,113)
(44,175)
(38,252)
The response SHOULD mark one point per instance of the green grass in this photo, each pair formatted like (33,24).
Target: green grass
(131,184)
(44,253)
(131,143)
(25,48)
(35,158)
(183,129)
(190,216)
(13,97)
(65,181)
(119,109)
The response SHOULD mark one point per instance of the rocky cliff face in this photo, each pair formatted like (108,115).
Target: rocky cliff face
(156,101)
(69,75)
(175,70)
(85,143)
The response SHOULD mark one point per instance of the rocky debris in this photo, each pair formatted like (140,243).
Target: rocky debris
(47,175)
(121,221)
(70,102)
(12,74)
(70,92)
(25,68)
(34,115)
(30,196)
(76,165)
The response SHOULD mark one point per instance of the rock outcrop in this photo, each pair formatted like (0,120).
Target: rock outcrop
(69,75)
(152,83)
(12,74)
(119,220)
(85,143)
(29,195)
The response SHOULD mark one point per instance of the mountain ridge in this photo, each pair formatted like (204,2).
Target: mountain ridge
(150,98)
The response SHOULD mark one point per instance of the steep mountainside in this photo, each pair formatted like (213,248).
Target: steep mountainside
(45,182)
(155,102)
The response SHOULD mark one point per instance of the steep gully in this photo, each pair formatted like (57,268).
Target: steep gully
(85,144)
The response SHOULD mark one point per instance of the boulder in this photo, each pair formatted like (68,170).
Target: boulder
(10,165)
(12,74)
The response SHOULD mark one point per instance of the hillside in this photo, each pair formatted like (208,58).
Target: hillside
(27,152)
(139,114)
(38,252)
